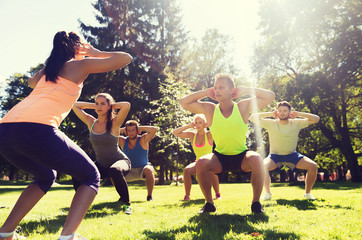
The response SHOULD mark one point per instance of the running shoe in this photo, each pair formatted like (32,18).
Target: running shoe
(266,196)
(256,207)
(309,196)
(217,196)
(208,207)
(15,236)
(127,209)
(186,198)
(76,236)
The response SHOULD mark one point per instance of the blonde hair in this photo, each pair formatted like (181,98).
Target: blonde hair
(229,79)
(200,115)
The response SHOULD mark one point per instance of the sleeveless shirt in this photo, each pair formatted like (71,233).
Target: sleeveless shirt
(49,103)
(229,133)
(137,155)
(202,150)
(106,147)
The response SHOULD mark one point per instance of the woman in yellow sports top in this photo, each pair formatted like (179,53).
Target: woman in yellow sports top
(29,135)
(202,143)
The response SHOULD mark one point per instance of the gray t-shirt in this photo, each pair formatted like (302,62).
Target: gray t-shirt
(283,138)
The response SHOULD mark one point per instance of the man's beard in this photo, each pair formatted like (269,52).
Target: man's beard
(133,138)
(285,118)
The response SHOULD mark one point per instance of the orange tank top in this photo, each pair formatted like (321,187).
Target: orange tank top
(49,103)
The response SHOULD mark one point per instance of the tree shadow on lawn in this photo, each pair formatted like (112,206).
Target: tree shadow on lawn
(299,204)
(4,190)
(193,202)
(210,226)
(53,225)
(306,204)
(338,185)
(44,226)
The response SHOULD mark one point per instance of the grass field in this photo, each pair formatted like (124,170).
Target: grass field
(336,214)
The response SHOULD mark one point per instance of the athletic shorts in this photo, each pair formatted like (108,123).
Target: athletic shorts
(137,173)
(41,150)
(290,160)
(230,162)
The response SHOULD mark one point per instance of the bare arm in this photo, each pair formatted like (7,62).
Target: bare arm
(263,97)
(32,81)
(122,131)
(121,141)
(100,61)
(191,102)
(124,108)
(257,116)
(150,132)
(182,133)
(312,118)
(82,115)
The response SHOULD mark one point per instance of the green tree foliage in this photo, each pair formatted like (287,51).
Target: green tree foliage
(152,33)
(202,60)
(311,56)
(171,152)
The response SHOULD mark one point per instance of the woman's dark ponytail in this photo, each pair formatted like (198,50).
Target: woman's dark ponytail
(63,50)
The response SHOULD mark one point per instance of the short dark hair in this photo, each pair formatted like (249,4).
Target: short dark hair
(131,123)
(285,104)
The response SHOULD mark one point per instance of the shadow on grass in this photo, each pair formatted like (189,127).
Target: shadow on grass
(338,185)
(210,226)
(55,188)
(44,226)
(299,204)
(193,202)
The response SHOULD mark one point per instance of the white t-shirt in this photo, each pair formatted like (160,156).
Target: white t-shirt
(283,138)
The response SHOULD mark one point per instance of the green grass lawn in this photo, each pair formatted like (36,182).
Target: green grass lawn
(336,214)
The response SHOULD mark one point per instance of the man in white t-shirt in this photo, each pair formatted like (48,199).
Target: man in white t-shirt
(283,126)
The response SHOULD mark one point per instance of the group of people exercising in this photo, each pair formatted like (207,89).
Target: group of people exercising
(31,141)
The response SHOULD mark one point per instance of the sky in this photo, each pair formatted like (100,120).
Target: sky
(28,27)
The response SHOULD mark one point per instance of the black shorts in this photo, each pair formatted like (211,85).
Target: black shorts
(231,162)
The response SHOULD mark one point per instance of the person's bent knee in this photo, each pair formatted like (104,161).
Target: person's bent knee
(92,180)
(47,180)
(201,164)
(148,171)
(188,172)
(313,167)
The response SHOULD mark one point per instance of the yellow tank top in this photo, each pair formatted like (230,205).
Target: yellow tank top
(200,151)
(49,103)
(229,134)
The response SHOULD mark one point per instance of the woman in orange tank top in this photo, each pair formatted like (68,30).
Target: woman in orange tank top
(29,134)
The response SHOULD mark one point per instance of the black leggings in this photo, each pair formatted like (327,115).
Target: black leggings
(117,172)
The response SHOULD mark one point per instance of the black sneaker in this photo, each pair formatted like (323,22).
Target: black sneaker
(208,207)
(256,207)
(149,198)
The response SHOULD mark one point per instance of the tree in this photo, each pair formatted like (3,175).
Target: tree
(152,33)
(168,115)
(203,60)
(311,55)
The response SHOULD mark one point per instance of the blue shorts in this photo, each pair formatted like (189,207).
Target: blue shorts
(290,160)
(41,150)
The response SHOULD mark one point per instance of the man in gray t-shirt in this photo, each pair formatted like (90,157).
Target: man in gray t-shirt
(283,126)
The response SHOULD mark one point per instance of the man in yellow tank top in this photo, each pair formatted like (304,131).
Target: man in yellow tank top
(228,125)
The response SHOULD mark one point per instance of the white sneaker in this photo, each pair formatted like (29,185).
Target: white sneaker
(266,196)
(309,196)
